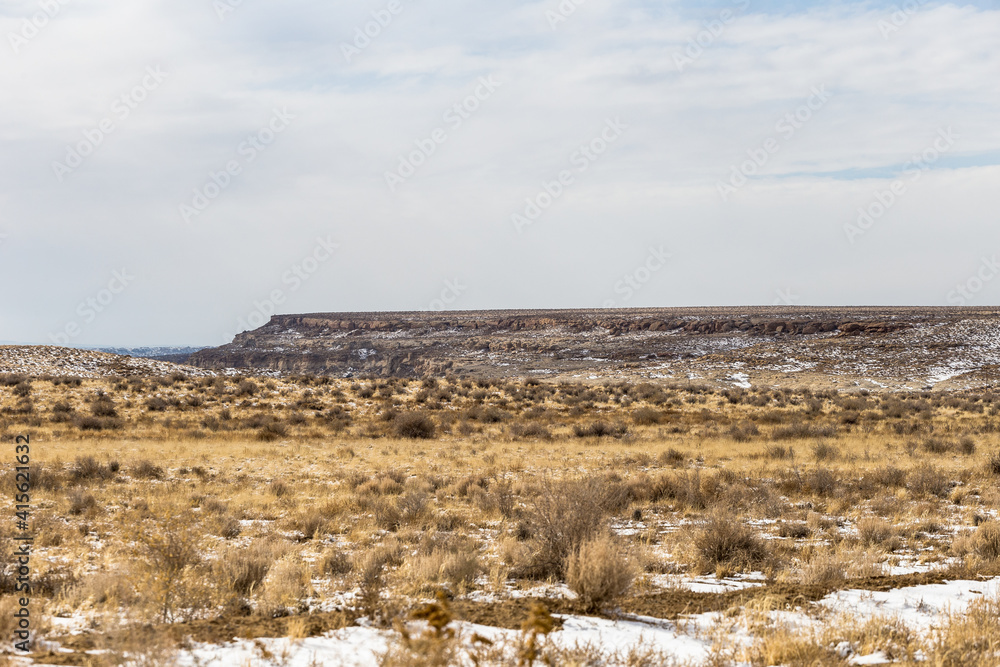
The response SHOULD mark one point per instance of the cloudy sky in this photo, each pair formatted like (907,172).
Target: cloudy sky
(173,171)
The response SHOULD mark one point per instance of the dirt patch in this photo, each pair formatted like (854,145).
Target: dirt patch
(672,604)
(509,614)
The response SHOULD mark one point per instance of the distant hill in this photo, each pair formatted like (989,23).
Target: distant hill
(35,360)
(823,347)
(177,355)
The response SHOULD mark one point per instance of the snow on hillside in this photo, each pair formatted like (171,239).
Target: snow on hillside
(63,362)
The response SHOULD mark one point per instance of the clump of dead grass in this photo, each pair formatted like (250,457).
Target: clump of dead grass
(600,571)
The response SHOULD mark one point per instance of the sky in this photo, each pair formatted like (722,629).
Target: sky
(174,172)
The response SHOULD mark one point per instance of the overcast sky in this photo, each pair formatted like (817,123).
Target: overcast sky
(170,171)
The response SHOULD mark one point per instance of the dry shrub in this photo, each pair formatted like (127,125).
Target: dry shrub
(499,498)
(287,583)
(824,451)
(937,446)
(370,570)
(876,532)
(531,430)
(418,425)
(9,624)
(692,489)
(272,431)
(213,505)
(825,568)
(801,430)
(383,484)
(888,476)
(600,429)
(225,526)
(246,388)
(311,523)
(966,445)
(412,506)
(172,581)
(984,542)
(886,634)
(795,530)
(456,567)
(12,379)
(599,572)
(743,431)
(993,464)
(103,406)
(335,563)
(81,502)
(386,514)
(831,567)
(779,452)
(101,589)
(563,516)
(87,469)
(62,413)
(647,417)
(242,570)
(928,480)
(156,404)
(725,540)
(792,648)
(822,481)
(437,646)
(147,470)
(971,637)
(672,457)
(97,424)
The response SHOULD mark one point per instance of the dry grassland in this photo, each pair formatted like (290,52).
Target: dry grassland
(170,510)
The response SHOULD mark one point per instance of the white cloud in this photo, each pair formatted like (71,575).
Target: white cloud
(888,97)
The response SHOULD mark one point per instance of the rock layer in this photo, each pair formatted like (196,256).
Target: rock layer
(904,346)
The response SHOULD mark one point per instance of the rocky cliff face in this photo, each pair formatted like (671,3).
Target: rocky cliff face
(902,346)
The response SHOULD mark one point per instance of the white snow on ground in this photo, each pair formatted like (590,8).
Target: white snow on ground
(943,374)
(360,647)
(708,584)
(687,641)
(740,380)
(350,647)
(917,606)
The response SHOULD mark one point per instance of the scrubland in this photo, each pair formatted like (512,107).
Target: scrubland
(171,513)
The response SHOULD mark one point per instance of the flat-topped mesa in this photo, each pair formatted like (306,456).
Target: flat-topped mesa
(686,343)
(575,321)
